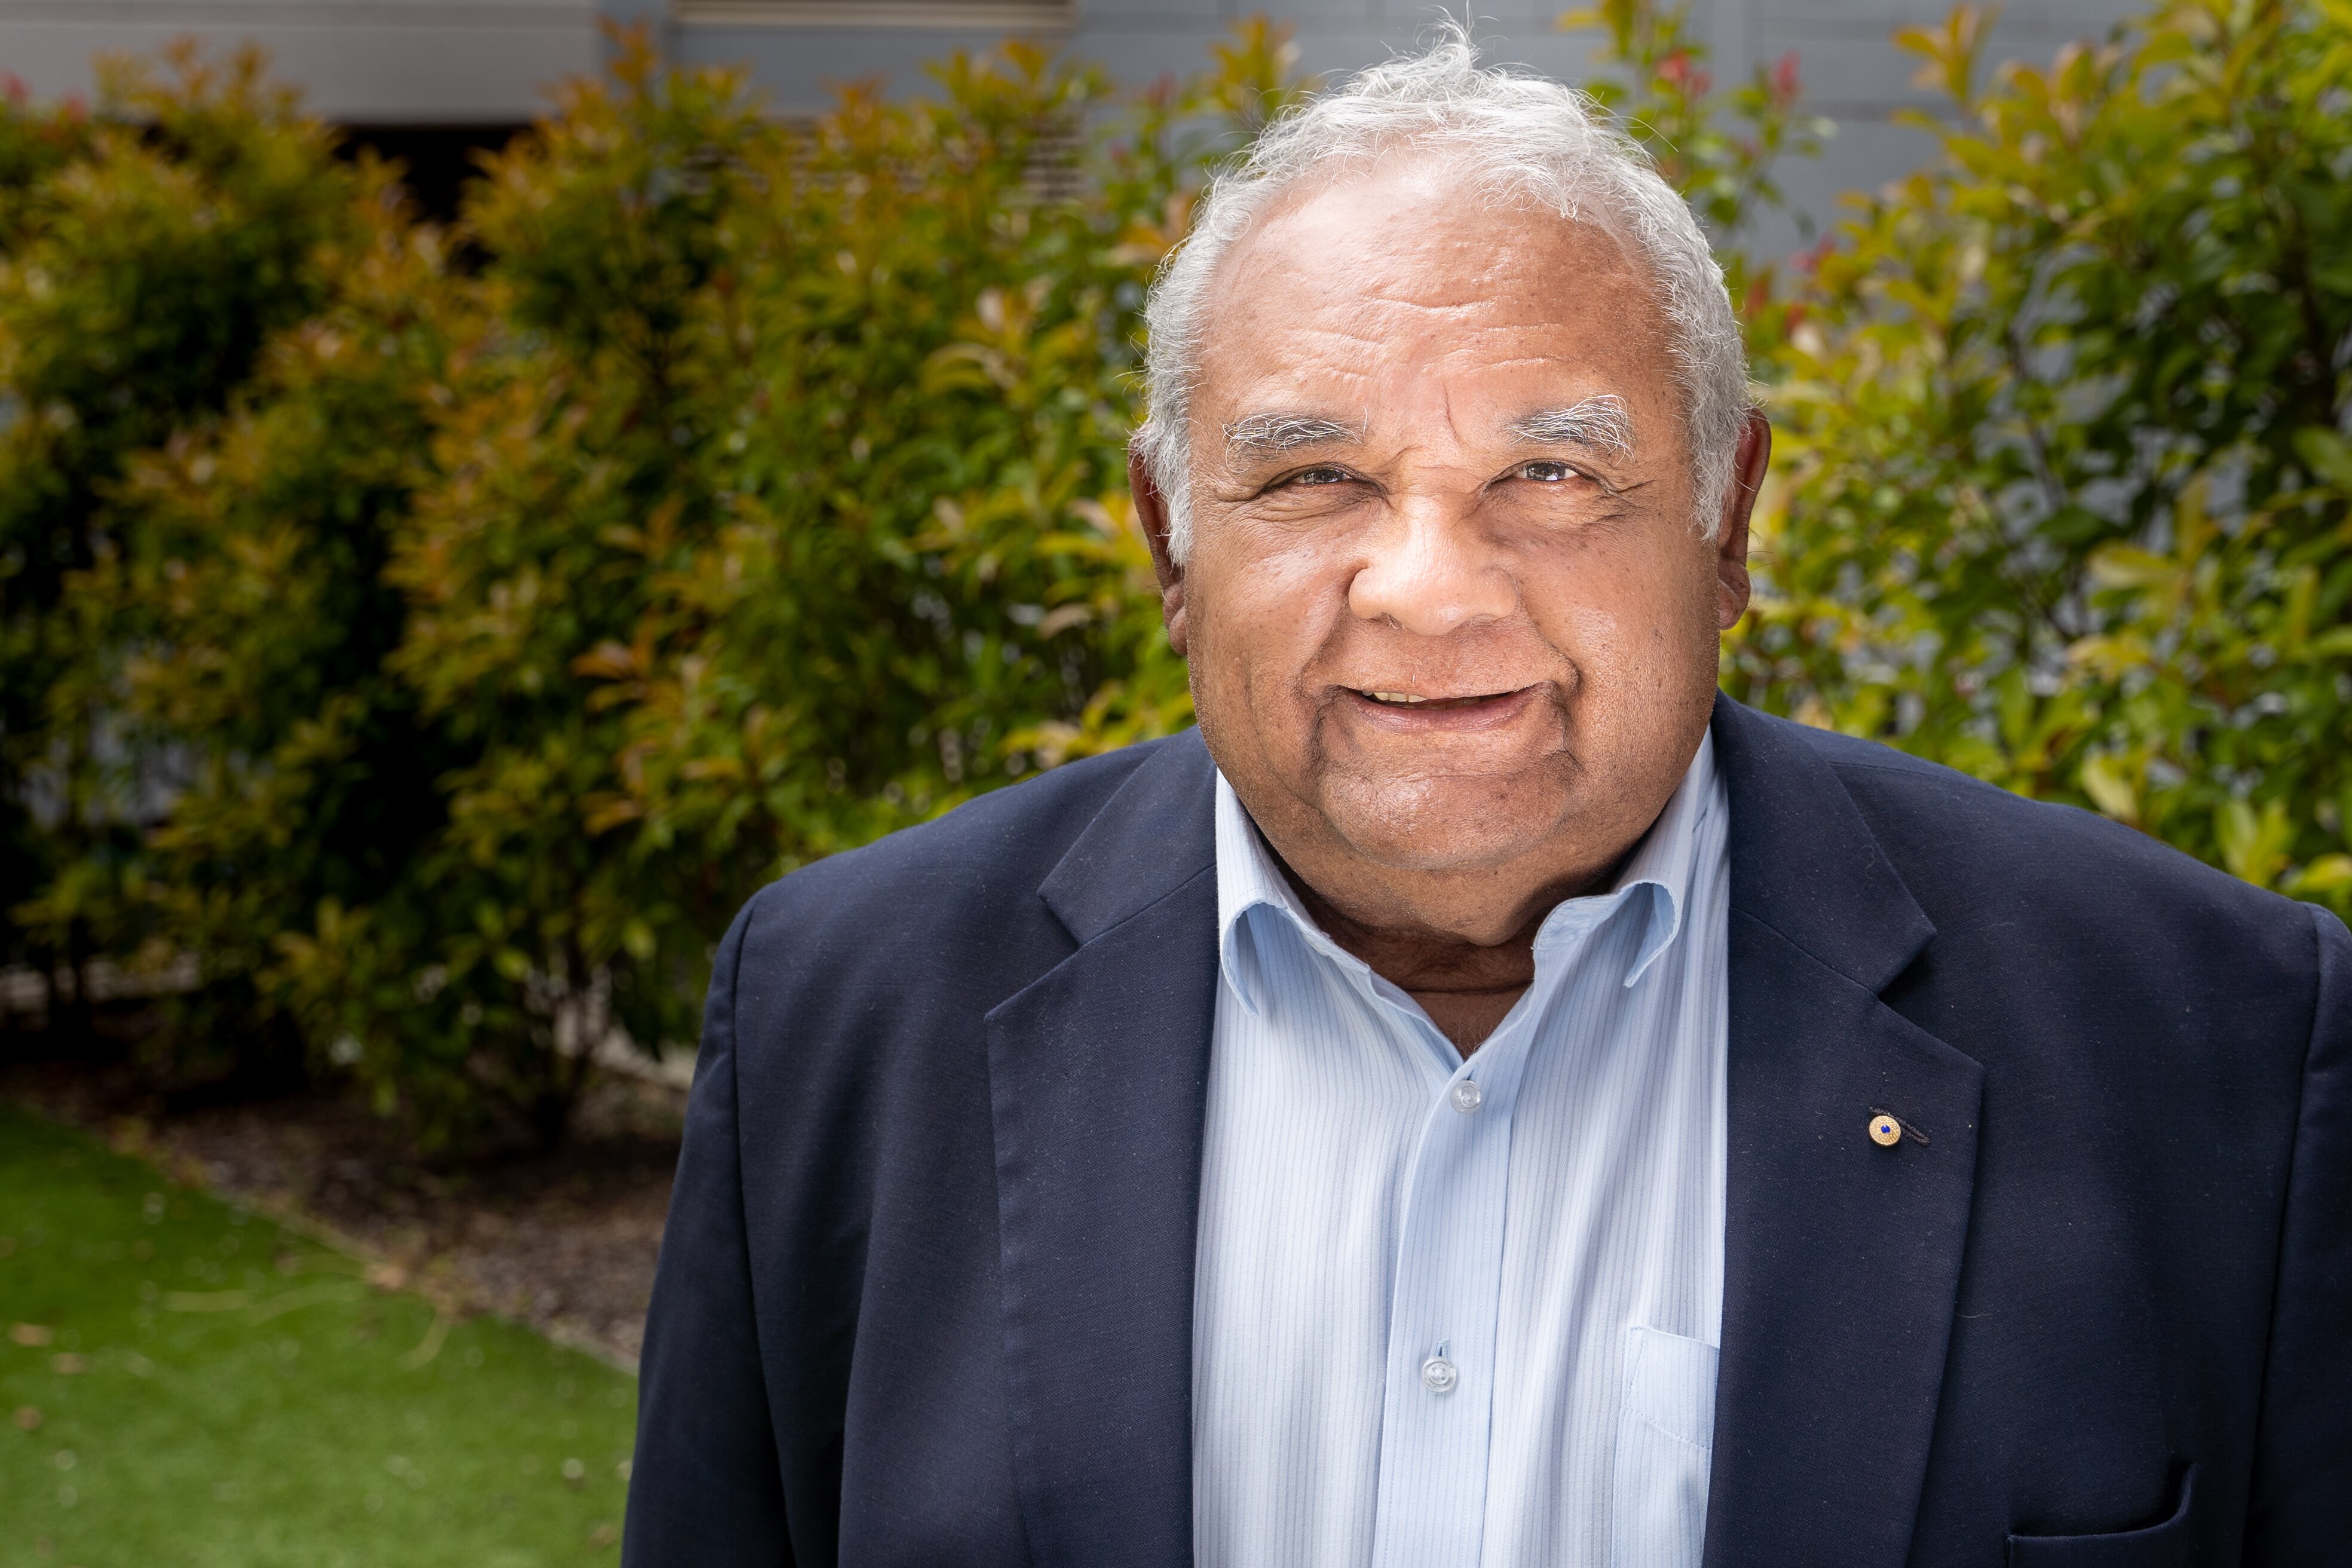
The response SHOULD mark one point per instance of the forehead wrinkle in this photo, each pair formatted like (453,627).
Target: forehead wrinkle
(1490,290)
(1343,351)
(1330,388)
(1476,301)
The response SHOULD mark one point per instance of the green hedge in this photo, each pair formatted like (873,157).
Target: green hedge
(2065,498)
(440,634)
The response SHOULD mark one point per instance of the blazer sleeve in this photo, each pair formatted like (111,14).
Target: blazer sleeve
(2303,1453)
(705,1487)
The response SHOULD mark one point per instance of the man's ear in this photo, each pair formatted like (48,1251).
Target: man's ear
(1755,455)
(1151,512)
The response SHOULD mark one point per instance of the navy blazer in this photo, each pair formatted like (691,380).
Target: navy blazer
(925,1296)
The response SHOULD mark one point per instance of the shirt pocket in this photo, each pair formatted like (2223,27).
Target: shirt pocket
(1666,1434)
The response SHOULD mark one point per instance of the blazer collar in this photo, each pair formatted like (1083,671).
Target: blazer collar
(1842,1257)
(1155,834)
(1803,862)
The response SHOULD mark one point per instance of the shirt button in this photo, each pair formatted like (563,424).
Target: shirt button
(1439,1375)
(1467,1096)
(1886,1132)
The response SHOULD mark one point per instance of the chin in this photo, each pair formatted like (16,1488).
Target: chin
(1454,822)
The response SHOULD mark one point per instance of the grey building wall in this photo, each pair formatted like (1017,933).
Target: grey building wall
(487,62)
(363,62)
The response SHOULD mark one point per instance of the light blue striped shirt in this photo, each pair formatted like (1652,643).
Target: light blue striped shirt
(1457,1312)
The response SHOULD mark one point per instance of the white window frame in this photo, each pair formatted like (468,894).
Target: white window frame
(1031,14)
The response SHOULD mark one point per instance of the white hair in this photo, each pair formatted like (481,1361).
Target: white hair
(1519,139)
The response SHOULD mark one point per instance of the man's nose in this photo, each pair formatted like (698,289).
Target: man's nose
(1430,574)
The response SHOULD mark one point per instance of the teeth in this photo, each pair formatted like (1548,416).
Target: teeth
(1405,696)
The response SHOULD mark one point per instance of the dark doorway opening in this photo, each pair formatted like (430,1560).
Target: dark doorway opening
(440,160)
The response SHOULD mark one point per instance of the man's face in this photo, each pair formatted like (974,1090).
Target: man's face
(1446,607)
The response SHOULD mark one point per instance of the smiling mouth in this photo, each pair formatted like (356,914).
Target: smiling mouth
(1431,704)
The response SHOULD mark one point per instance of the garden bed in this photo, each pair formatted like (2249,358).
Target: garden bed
(565,1242)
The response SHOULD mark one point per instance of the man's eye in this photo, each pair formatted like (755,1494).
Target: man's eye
(1324,475)
(1548,473)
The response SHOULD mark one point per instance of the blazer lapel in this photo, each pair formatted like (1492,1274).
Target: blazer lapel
(1098,1077)
(1842,1257)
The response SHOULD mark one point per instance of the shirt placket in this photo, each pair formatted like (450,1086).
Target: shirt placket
(1438,1404)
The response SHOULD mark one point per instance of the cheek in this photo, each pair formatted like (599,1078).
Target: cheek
(1259,615)
(1622,611)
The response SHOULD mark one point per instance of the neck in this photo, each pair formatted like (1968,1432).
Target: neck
(1466,986)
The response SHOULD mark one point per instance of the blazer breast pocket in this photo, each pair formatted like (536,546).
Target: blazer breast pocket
(1666,1434)
(2162,1545)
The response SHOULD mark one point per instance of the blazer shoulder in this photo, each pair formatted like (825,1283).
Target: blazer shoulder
(1966,847)
(990,848)
(876,966)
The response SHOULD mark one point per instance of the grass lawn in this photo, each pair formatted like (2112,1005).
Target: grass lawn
(183,1383)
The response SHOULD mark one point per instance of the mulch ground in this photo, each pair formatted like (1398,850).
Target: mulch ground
(564,1241)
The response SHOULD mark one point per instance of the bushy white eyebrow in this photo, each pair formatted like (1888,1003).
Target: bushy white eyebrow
(1602,422)
(1271,435)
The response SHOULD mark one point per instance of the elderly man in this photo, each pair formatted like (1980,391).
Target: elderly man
(1484,1098)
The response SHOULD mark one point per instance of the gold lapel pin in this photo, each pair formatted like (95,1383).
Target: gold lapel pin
(1884,1131)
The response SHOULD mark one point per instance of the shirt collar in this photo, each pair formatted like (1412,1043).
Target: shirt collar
(1662,863)
(1248,879)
